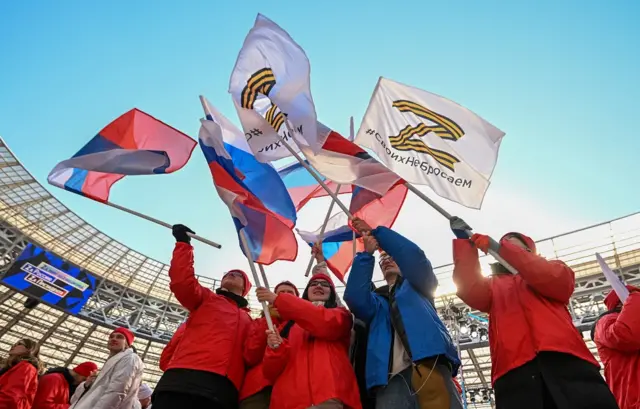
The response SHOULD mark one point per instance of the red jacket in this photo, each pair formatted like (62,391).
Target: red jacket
(312,365)
(254,349)
(169,349)
(18,386)
(617,337)
(53,392)
(216,329)
(527,312)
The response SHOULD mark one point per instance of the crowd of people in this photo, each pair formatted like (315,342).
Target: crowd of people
(387,348)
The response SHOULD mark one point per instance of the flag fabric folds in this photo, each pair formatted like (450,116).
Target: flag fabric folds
(253,191)
(270,85)
(133,144)
(337,241)
(303,187)
(344,162)
(430,140)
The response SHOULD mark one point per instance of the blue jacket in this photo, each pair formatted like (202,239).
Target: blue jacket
(425,333)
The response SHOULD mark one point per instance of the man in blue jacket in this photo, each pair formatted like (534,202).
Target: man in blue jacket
(411,358)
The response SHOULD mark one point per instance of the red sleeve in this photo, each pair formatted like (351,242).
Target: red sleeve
(275,360)
(19,387)
(184,284)
(621,331)
(326,323)
(48,387)
(473,288)
(552,279)
(256,342)
(169,349)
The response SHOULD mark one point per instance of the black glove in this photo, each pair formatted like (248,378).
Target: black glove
(180,233)
(459,227)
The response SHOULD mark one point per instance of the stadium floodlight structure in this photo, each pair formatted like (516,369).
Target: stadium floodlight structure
(134,289)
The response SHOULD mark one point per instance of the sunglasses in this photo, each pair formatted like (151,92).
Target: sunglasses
(322,284)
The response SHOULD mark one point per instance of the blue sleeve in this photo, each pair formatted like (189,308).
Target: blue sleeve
(357,293)
(414,265)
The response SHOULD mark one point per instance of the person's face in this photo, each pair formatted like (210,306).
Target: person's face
(233,282)
(517,242)
(19,349)
(286,289)
(388,266)
(117,342)
(319,290)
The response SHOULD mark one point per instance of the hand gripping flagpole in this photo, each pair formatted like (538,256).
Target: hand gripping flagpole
(448,215)
(324,227)
(161,223)
(244,242)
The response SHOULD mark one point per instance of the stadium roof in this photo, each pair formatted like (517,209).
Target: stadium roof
(137,292)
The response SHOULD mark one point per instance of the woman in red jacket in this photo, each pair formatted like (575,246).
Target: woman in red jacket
(169,349)
(311,369)
(19,375)
(538,358)
(57,386)
(207,367)
(256,389)
(617,336)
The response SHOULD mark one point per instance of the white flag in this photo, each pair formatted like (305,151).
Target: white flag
(270,84)
(429,140)
(617,285)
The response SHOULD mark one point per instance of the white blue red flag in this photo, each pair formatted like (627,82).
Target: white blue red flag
(337,240)
(253,191)
(134,144)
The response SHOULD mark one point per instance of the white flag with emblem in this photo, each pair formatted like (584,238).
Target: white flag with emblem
(270,84)
(429,140)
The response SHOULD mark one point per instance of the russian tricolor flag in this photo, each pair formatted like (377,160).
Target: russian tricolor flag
(253,191)
(134,144)
(303,187)
(337,240)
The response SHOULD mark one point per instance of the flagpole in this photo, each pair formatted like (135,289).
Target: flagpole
(264,276)
(448,216)
(245,243)
(313,172)
(247,252)
(324,227)
(161,223)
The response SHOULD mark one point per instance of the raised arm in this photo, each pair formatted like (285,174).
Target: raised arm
(184,284)
(411,260)
(357,293)
(621,331)
(473,288)
(326,323)
(550,278)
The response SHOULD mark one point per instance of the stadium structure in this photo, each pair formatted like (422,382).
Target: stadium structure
(132,289)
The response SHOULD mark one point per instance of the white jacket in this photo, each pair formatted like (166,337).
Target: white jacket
(116,387)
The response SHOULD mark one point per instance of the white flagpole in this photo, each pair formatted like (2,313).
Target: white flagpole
(264,276)
(324,226)
(448,215)
(161,223)
(245,243)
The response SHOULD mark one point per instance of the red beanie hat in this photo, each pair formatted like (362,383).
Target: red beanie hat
(290,284)
(85,368)
(247,283)
(128,335)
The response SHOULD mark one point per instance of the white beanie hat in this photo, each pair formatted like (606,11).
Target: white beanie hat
(144,392)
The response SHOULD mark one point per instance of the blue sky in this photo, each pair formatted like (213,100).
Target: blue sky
(559,77)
